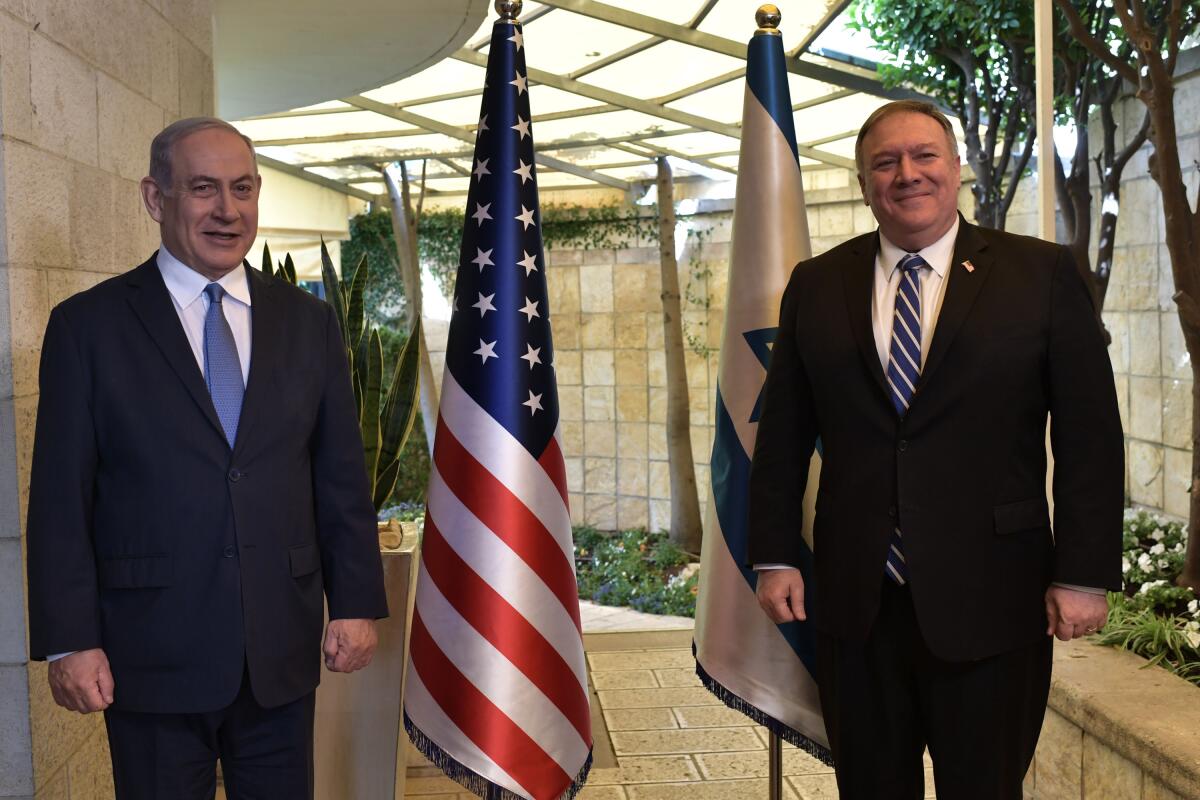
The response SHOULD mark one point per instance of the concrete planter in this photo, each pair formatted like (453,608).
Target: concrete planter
(1116,729)
(359,741)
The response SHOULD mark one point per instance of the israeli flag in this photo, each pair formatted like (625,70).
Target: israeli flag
(759,668)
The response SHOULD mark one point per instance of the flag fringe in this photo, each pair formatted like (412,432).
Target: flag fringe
(473,781)
(788,734)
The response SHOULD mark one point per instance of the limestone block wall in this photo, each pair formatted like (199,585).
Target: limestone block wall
(84,86)
(1150,362)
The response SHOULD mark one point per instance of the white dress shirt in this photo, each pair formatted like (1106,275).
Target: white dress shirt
(186,287)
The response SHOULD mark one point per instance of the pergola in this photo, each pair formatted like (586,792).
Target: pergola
(613,86)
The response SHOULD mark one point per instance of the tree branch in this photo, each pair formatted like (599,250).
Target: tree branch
(1093,46)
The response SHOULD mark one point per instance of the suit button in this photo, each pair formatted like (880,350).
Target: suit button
(892,512)
(902,445)
(228,551)
(235,474)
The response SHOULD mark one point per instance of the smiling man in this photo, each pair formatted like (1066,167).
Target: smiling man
(198,493)
(927,357)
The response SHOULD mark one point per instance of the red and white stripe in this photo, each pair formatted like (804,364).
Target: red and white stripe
(497,679)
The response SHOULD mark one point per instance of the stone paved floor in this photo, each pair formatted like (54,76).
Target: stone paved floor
(663,736)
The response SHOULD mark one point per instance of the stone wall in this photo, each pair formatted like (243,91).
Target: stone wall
(1153,371)
(1115,729)
(84,86)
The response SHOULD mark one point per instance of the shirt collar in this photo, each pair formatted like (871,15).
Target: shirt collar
(936,255)
(186,285)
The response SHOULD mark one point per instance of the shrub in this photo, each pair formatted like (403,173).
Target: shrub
(1153,617)
(634,568)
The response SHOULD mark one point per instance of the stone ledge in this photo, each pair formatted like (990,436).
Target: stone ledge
(1145,714)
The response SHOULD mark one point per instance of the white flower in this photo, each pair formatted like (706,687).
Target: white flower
(1163,563)
(1144,563)
(1193,607)
(1157,534)
(1125,566)
(1158,549)
(1179,547)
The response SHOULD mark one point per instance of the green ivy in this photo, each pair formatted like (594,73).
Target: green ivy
(634,568)
(695,292)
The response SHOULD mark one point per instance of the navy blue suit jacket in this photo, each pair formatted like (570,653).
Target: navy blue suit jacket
(187,562)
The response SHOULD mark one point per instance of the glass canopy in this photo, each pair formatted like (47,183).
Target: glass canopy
(612,86)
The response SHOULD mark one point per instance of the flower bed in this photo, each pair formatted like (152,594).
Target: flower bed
(1153,617)
(635,568)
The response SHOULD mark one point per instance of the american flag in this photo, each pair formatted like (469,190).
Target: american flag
(496,692)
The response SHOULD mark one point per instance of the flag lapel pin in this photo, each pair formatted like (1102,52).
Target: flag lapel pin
(968,266)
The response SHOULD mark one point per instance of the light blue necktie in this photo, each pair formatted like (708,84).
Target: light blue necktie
(222,367)
(904,368)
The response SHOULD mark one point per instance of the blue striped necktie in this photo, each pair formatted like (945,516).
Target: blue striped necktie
(222,367)
(904,368)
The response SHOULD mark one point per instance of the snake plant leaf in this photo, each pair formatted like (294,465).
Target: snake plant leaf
(333,291)
(356,307)
(267,267)
(288,269)
(372,395)
(385,483)
(400,410)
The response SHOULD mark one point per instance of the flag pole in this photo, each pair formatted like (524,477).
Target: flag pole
(775,767)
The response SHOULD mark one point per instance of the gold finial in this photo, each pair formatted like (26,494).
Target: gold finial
(508,10)
(768,18)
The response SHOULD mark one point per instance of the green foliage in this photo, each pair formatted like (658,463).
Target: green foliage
(386,399)
(1153,617)
(371,238)
(695,292)
(634,568)
(977,59)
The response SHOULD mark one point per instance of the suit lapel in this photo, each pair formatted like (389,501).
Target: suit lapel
(961,292)
(859,281)
(154,307)
(266,328)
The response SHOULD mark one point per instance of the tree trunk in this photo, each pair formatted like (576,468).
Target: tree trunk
(404,229)
(686,527)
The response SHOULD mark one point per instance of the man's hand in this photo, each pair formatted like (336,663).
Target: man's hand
(781,594)
(82,681)
(1071,613)
(349,644)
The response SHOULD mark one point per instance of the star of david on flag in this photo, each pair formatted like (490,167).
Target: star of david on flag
(496,693)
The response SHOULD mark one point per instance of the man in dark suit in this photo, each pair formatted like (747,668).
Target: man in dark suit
(926,357)
(198,488)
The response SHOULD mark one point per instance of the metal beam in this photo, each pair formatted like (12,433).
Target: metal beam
(338,137)
(644,106)
(465,135)
(320,180)
(702,86)
(728,47)
(657,150)
(832,13)
(559,144)
(614,98)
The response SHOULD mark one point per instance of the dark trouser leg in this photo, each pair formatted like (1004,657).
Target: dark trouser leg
(869,700)
(983,719)
(163,756)
(267,753)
